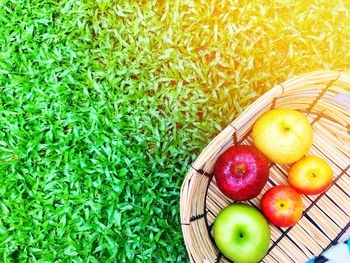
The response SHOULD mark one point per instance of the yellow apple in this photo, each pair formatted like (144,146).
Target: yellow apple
(283,135)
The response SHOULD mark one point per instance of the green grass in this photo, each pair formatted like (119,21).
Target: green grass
(105,104)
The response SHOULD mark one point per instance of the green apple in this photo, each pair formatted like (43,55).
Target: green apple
(242,233)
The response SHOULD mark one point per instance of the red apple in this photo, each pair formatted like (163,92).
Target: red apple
(241,172)
(282,205)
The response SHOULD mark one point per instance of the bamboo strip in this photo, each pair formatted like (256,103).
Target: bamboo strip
(275,233)
(309,229)
(317,77)
(291,248)
(340,198)
(270,259)
(324,223)
(278,175)
(344,183)
(305,241)
(281,255)
(334,211)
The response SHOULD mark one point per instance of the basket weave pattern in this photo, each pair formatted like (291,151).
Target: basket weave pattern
(324,98)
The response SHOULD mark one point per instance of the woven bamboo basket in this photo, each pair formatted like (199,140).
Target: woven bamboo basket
(324,98)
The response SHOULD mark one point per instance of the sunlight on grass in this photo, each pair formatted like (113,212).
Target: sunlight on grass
(105,104)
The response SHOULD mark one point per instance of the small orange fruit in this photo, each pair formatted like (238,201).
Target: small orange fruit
(311,175)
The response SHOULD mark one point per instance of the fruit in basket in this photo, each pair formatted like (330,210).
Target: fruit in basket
(283,135)
(282,205)
(311,175)
(242,233)
(241,172)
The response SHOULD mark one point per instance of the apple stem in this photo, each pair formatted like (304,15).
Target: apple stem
(240,169)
